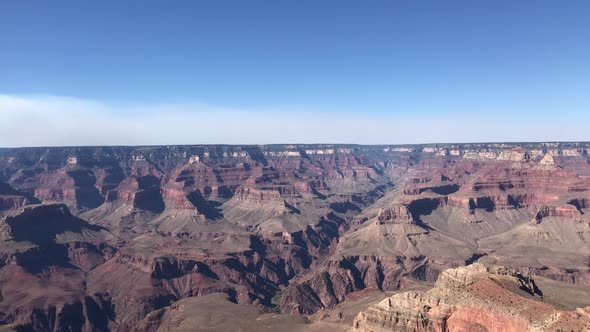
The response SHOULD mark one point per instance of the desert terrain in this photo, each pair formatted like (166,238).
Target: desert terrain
(439,237)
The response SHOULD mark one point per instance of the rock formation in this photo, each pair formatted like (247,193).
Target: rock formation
(398,213)
(101,238)
(471,298)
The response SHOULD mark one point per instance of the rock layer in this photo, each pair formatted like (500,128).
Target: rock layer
(123,232)
(472,298)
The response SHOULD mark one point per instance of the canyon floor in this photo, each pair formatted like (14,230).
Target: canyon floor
(440,237)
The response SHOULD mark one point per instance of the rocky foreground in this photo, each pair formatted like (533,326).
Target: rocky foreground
(115,238)
(472,298)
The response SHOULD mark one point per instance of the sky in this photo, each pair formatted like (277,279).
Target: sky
(260,72)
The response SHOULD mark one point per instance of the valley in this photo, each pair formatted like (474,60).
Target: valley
(314,237)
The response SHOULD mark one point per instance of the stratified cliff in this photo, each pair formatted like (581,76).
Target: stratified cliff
(472,298)
(97,238)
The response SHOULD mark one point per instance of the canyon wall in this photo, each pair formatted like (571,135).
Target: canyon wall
(97,238)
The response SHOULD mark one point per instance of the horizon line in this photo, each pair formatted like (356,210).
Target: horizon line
(282,144)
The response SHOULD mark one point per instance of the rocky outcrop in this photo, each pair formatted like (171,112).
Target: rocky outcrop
(12,202)
(408,311)
(467,299)
(257,196)
(547,160)
(458,278)
(563,211)
(177,199)
(395,214)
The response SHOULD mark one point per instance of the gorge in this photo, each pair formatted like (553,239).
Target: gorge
(318,237)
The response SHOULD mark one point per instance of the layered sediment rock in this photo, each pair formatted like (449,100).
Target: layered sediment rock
(409,311)
(295,228)
(11,202)
(467,299)
(394,214)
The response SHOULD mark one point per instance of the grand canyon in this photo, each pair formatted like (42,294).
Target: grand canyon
(435,237)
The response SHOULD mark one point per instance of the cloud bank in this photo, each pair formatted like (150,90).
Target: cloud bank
(64,121)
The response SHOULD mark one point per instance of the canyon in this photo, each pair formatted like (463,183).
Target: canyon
(437,237)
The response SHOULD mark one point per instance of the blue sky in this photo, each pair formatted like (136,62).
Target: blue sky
(497,65)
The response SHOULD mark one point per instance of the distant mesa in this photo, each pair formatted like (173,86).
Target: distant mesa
(316,236)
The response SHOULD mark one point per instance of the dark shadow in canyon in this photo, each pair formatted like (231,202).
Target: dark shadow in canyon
(210,209)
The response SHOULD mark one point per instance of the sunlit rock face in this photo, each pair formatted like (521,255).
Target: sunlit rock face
(472,298)
(99,238)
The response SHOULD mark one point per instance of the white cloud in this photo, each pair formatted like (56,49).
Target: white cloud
(58,121)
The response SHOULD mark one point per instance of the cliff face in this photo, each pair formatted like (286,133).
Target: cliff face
(394,214)
(410,311)
(107,235)
(472,298)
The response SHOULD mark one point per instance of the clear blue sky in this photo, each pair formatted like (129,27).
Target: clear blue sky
(391,58)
